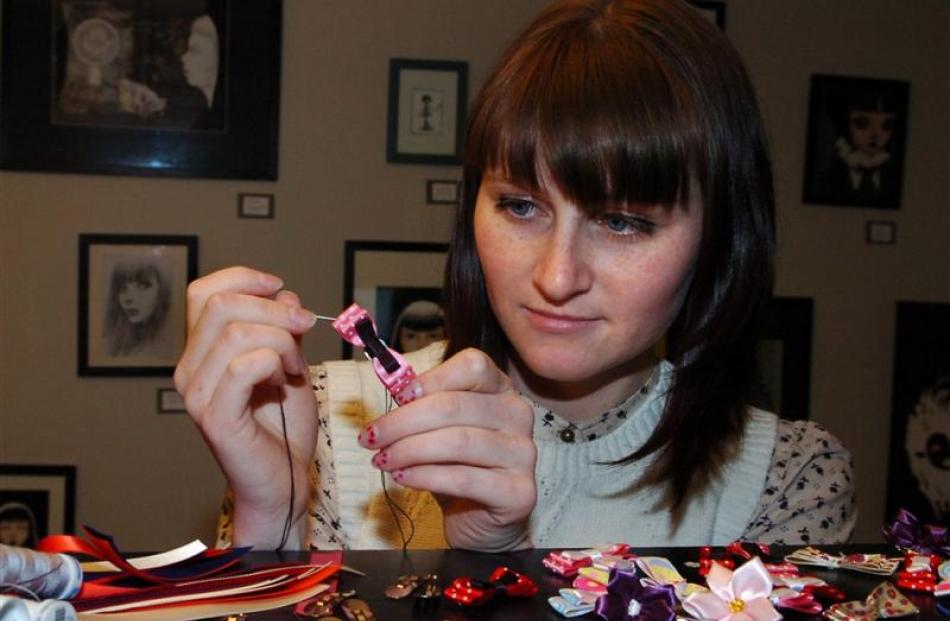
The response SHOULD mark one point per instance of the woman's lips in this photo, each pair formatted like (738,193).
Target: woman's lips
(558,323)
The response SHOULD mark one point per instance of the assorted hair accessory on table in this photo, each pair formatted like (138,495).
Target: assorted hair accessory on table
(618,585)
(502,582)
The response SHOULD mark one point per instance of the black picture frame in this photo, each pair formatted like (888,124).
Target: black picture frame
(426,112)
(42,496)
(845,113)
(784,358)
(920,418)
(142,334)
(386,276)
(137,111)
(712,10)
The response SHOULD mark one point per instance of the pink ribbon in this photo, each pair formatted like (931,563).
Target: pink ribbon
(740,595)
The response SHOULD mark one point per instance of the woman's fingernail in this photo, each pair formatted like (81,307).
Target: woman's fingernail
(380,459)
(369,435)
(399,475)
(272,282)
(410,393)
(303,318)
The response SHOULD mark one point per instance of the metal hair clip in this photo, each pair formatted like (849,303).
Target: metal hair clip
(356,327)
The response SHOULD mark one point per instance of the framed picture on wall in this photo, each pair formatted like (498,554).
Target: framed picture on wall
(36,501)
(784,358)
(400,284)
(132,302)
(426,111)
(857,132)
(919,467)
(185,88)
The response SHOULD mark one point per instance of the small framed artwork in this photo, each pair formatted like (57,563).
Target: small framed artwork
(784,358)
(442,192)
(714,11)
(857,133)
(400,284)
(880,232)
(259,206)
(186,89)
(36,501)
(426,111)
(919,468)
(132,302)
(170,402)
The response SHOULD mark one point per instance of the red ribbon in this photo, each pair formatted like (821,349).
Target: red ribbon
(502,582)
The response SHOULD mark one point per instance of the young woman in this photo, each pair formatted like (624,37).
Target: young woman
(618,201)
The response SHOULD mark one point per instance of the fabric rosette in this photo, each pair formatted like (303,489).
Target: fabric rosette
(628,599)
(740,595)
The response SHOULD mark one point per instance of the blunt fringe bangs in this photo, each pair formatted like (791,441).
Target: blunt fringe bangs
(637,102)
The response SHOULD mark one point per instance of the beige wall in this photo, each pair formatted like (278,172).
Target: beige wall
(148,479)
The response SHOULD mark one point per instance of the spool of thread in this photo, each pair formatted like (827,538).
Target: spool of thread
(48,576)
(14,608)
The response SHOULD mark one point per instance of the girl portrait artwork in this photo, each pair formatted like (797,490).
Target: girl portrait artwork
(617,197)
(137,308)
(856,141)
(132,290)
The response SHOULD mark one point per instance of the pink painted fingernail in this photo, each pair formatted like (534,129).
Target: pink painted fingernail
(399,475)
(371,437)
(410,393)
(380,459)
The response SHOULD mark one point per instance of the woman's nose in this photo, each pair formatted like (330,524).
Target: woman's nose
(562,269)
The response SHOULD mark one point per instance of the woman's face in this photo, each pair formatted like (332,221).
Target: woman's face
(579,296)
(870,130)
(200,61)
(14,532)
(138,299)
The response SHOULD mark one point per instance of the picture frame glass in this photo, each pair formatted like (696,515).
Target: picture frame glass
(427,105)
(400,285)
(186,88)
(855,148)
(427,100)
(132,302)
(35,501)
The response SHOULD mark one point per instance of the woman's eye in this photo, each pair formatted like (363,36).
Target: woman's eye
(626,224)
(517,207)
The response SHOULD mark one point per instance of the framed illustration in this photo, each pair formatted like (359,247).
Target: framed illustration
(185,88)
(857,131)
(426,111)
(714,11)
(400,284)
(784,358)
(919,468)
(36,501)
(132,302)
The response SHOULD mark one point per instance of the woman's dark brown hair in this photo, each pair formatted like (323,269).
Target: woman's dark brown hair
(638,102)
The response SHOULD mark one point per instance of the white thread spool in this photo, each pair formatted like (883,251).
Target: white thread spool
(18,609)
(49,576)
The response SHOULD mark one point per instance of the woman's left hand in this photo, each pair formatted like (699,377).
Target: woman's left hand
(468,440)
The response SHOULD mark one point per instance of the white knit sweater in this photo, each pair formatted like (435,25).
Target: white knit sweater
(580,501)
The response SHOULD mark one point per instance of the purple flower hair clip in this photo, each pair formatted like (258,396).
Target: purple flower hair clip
(627,599)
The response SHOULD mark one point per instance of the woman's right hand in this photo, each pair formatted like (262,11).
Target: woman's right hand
(242,357)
